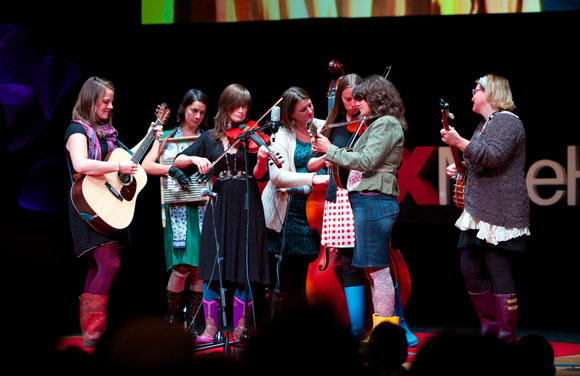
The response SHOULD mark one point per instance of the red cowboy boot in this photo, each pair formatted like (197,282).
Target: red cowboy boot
(92,317)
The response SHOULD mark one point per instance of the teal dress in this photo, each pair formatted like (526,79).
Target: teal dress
(300,239)
(189,254)
(182,244)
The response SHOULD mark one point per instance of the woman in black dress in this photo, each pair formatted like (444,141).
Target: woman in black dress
(225,221)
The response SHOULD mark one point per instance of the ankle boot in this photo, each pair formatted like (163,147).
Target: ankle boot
(355,302)
(240,317)
(92,317)
(379,319)
(174,314)
(485,306)
(193,302)
(506,306)
(211,314)
(411,338)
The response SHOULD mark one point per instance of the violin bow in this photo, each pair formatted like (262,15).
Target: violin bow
(202,178)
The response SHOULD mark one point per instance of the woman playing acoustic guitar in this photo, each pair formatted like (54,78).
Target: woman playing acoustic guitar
(89,139)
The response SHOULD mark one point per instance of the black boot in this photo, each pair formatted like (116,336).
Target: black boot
(484,304)
(194,312)
(174,313)
(506,306)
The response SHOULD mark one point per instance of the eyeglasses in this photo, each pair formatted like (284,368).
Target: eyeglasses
(473,91)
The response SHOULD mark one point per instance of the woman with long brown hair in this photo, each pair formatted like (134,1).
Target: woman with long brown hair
(89,139)
(227,219)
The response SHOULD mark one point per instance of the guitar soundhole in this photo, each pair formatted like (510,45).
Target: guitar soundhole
(129,189)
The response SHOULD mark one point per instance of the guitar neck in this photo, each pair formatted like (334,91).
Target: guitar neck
(459,165)
(147,141)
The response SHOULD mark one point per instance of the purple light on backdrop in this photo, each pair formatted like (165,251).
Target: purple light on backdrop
(31,83)
(46,186)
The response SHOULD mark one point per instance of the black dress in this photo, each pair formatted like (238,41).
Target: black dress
(84,237)
(228,224)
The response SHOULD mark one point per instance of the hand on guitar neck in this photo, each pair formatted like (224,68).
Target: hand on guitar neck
(457,170)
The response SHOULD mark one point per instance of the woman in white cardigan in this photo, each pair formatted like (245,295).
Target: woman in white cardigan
(300,244)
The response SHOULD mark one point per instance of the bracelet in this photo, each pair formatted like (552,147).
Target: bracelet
(119,163)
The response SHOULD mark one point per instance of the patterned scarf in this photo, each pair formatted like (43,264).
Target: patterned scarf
(94,146)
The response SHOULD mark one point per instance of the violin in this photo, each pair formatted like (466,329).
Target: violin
(255,138)
(359,126)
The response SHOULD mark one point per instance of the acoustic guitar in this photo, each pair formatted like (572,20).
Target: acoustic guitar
(461,176)
(107,202)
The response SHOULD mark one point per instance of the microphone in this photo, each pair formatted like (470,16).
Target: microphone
(204,192)
(304,190)
(275,119)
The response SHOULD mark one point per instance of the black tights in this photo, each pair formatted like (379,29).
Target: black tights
(483,268)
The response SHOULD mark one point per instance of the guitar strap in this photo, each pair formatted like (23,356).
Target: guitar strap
(120,144)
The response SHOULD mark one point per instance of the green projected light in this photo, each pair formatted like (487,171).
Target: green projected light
(184,11)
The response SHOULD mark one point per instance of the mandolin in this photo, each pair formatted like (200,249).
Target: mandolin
(461,176)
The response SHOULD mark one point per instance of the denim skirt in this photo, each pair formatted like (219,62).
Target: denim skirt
(374,217)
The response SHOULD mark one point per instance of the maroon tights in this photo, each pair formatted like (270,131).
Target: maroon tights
(104,264)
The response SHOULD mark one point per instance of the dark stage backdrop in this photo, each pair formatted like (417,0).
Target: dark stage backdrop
(432,57)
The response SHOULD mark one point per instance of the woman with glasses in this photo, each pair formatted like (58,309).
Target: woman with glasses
(496,218)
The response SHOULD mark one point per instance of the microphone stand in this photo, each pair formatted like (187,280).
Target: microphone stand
(220,339)
(246,136)
(276,289)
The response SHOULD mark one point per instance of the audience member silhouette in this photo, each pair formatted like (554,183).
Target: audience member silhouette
(453,353)
(145,346)
(386,350)
(303,340)
(534,356)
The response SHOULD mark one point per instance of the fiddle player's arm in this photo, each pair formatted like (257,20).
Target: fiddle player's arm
(261,166)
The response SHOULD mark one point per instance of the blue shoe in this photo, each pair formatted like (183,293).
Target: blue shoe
(411,338)
(355,301)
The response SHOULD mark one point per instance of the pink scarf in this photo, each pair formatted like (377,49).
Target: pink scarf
(94,146)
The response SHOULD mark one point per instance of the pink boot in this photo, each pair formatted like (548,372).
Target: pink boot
(210,310)
(240,317)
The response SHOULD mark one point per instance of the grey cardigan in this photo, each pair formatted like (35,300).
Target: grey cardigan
(495,190)
(380,148)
